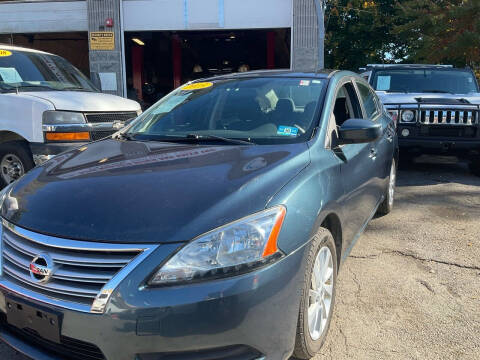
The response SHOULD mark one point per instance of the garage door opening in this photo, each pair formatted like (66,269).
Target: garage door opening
(72,46)
(157,62)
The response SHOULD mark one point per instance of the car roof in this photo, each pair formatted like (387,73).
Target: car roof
(20,48)
(286,73)
(404,66)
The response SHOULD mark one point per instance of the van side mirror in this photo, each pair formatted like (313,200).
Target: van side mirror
(357,131)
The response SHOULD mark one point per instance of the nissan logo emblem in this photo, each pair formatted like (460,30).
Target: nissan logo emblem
(41,268)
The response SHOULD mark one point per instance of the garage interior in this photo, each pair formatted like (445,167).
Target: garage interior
(159,61)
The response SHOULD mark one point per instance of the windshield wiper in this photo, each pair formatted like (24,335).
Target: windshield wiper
(219,138)
(437,91)
(36,86)
(75,88)
(125,136)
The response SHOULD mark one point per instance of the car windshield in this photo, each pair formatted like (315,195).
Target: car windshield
(31,71)
(265,110)
(454,81)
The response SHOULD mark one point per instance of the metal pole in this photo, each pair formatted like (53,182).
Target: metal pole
(319,5)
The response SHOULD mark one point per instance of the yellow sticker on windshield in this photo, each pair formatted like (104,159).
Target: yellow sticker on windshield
(5,52)
(198,86)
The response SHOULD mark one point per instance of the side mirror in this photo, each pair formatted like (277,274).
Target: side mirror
(357,131)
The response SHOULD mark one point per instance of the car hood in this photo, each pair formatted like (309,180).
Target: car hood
(143,192)
(411,98)
(85,101)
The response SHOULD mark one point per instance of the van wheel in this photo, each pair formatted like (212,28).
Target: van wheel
(318,296)
(475,167)
(15,160)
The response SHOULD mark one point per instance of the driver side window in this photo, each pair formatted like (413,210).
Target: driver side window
(347,106)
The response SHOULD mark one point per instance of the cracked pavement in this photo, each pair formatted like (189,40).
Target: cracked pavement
(410,289)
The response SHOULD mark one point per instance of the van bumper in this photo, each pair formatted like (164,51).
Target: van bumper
(42,152)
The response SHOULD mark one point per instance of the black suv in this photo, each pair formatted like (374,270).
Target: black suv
(437,108)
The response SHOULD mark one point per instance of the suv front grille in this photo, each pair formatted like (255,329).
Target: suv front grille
(449,117)
(98,135)
(110,117)
(82,270)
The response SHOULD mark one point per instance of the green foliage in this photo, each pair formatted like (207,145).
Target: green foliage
(360,32)
(441,31)
(412,31)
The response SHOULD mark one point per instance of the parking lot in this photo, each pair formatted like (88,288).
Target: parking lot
(411,287)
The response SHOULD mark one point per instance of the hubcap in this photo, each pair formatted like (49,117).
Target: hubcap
(321,292)
(391,185)
(11,167)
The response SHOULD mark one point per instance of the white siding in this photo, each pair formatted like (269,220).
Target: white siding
(33,17)
(206,14)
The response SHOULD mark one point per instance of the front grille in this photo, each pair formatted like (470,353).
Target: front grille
(80,272)
(110,117)
(235,352)
(68,348)
(449,117)
(98,135)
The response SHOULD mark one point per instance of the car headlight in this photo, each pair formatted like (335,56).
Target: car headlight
(408,116)
(231,249)
(62,117)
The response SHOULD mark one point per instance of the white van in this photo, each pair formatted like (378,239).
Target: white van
(48,106)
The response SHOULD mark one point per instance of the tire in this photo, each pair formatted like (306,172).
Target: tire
(387,204)
(306,343)
(15,160)
(474,166)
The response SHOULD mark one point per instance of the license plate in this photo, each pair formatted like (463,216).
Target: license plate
(23,315)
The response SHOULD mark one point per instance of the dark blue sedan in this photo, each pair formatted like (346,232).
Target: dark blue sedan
(211,227)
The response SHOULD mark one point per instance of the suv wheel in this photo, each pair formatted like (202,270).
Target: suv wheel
(318,295)
(15,161)
(387,205)
(475,167)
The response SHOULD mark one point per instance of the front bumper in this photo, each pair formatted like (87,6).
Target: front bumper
(258,310)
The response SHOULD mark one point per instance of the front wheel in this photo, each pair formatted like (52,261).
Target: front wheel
(15,161)
(318,296)
(387,205)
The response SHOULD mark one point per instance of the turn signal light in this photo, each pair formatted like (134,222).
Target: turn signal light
(68,136)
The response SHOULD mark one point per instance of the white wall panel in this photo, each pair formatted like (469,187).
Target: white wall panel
(38,17)
(206,14)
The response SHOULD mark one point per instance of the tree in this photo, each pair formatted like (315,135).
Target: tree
(359,32)
(441,31)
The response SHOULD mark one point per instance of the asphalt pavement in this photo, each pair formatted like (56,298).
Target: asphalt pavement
(411,286)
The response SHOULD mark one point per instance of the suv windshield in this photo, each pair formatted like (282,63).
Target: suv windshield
(259,110)
(454,81)
(31,71)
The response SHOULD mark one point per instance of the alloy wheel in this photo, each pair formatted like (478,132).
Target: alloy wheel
(391,184)
(11,167)
(321,293)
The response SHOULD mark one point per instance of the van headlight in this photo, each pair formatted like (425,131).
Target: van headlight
(51,117)
(231,249)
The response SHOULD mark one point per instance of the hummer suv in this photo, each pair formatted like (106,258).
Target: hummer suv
(437,108)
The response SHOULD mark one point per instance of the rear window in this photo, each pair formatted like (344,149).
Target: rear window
(455,81)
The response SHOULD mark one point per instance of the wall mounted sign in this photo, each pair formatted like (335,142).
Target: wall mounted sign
(102,40)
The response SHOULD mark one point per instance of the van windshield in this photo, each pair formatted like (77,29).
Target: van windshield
(448,80)
(31,71)
(266,110)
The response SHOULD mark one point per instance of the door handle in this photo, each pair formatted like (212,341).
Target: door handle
(373,154)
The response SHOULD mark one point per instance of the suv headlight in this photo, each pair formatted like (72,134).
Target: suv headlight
(408,116)
(231,249)
(62,117)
